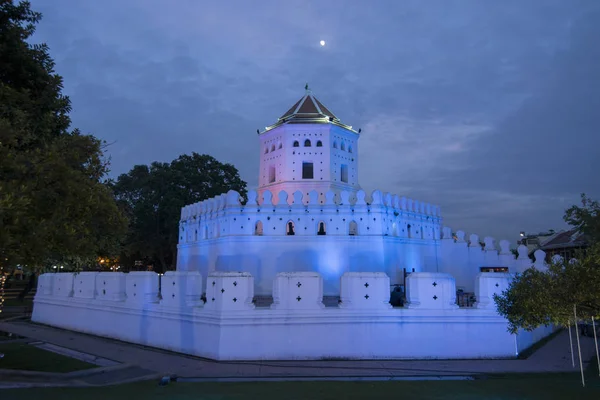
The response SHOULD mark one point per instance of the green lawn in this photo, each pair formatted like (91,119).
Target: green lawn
(25,357)
(18,303)
(546,386)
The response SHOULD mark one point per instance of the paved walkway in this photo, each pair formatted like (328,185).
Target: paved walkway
(553,357)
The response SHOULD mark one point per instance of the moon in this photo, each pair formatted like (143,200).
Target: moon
(322,43)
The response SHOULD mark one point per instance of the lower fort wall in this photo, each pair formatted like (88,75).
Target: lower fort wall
(229,327)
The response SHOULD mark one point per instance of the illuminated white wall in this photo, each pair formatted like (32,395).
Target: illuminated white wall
(330,256)
(381,233)
(464,257)
(230,327)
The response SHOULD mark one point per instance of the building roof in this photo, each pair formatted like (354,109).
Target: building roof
(309,110)
(564,239)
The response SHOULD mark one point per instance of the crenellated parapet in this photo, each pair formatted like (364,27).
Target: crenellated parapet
(304,214)
(466,257)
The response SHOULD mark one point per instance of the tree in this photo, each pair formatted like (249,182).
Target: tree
(54,206)
(152,196)
(536,298)
(585,218)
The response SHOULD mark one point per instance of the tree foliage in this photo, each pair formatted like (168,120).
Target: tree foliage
(586,218)
(154,195)
(536,298)
(54,206)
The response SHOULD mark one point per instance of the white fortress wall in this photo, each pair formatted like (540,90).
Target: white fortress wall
(330,256)
(297,326)
(463,258)
(344,232)
(330,237)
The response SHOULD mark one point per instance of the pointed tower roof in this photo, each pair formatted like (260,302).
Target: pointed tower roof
(308,110)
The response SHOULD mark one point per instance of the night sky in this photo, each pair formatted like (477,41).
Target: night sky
(490,109)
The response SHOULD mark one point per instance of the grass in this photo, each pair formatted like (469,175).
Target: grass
(7,336)
(28,302)
(497,387)
(540,386)
(22,356)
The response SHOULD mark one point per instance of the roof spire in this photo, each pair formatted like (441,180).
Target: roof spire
(307,89)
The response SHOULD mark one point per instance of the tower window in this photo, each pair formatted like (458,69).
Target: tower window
(272,174)
(307,143)
(319,143)
(349,149)
(344,173)
(307,170)
(296,143)
(280,145)
(258,228)
(335,145)
(289,228)
(272,147)
(266,149)
(321,231)
(342,146)
(353,228)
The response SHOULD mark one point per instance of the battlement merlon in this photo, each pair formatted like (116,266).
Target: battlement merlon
(306,215)
(299,199)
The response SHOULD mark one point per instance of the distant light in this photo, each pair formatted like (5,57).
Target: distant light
(522,234)
(322,43)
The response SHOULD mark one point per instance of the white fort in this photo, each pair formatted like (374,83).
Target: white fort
(305,268)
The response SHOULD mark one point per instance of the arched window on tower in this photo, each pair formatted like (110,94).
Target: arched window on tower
(266,149)
(307,143)
(258,228)
(342,146)
(321,231)
(334,144)
(319,143)
(353,228)
(296,143)
(408,231)
(280,145)
(273,147)
(289,228)
(349,149)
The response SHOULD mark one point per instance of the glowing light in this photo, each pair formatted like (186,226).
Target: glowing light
(322,43)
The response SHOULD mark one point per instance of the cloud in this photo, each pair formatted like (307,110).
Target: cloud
(488,109)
